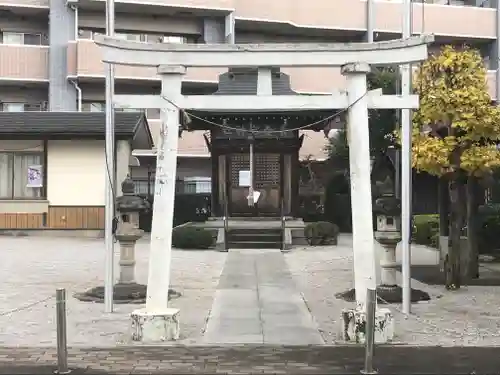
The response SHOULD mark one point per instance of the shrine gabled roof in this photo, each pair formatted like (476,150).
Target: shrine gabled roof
(243,81)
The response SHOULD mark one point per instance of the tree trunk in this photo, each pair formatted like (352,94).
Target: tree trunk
(452,262)
(472,228)
(444,206)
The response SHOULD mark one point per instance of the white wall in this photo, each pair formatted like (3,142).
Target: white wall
(76,172)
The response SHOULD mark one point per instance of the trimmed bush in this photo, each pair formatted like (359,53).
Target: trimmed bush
(426,230)
(192,238)
(321,233)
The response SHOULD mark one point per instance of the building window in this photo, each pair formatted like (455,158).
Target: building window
(85,34)
(142,187)
(195,185)
(153,113)
(173,39)
(155,38)
(89,34)
(93,106)
(15,171)
(22,107)
(131,37)
(21,38)
(101,107)
(13,107)
(119,109)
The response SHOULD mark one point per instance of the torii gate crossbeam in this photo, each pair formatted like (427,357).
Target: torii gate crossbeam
(393,52)
(159,323)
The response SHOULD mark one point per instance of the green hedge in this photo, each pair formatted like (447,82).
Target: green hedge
(321,233)
(426,230)
(192,238)
(489,228)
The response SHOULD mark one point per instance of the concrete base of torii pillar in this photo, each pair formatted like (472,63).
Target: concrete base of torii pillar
(353,321)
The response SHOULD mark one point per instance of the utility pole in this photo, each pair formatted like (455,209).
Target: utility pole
(110,169)
(370,20)
(497,42)
(406,172)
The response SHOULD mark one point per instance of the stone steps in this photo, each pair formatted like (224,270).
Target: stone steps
(248,238)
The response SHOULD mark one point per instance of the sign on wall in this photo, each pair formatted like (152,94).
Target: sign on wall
(244,178)
(35,178)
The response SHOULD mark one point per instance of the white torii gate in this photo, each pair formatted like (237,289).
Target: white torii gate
(158,322)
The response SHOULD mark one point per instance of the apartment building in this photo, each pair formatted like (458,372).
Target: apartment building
(48,61)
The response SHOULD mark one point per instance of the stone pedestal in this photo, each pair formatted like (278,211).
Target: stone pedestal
(155,327)
(353,326)
(388,264)
(127,234)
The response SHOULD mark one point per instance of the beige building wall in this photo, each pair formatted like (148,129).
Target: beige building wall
(76,173)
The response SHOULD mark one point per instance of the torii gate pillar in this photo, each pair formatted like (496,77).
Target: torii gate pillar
(158,322)
(365,266)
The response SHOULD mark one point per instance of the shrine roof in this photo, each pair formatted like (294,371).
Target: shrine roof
(243,81)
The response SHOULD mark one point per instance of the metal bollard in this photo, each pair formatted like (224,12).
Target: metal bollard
(62,346)
(371,303)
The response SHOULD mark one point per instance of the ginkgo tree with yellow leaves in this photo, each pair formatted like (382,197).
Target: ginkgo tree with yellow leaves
(455,133)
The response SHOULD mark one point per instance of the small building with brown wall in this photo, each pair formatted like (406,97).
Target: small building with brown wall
(53,168)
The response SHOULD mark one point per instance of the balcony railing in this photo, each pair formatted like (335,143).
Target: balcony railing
(24,63)
(466,3)
(350,15)
(25,3)
(84,60)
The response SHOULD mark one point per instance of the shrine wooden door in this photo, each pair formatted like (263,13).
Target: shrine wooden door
(267,181)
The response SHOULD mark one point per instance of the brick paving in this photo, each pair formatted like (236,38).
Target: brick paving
(251,359)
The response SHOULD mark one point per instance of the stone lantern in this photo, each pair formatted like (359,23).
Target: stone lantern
(129,206)
(387,209)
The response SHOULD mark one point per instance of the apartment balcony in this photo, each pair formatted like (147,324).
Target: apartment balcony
(84,63)
(435,16)
(350,15)
(185,7)
(24,63)
(25,6)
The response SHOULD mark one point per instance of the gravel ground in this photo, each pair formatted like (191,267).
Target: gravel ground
(32,268)
(470,316)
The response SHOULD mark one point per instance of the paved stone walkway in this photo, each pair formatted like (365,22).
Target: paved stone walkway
(253,360)
(257,302)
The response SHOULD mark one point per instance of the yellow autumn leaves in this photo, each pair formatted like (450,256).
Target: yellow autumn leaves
(455,112)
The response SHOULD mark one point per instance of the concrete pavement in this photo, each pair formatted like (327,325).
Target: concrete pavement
(257,302)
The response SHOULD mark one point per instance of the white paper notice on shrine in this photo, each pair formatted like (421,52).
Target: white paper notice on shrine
(244,179)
